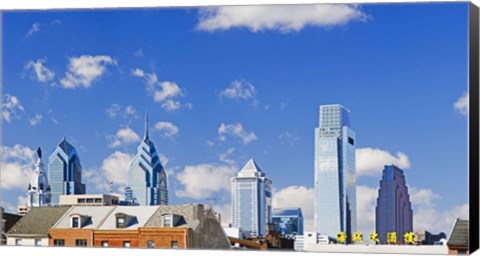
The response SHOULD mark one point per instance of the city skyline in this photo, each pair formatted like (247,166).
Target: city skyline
(217,98)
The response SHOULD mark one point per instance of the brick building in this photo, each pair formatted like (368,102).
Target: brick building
(166,226)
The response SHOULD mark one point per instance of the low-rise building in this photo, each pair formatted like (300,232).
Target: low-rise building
(8,220)
(458,240)
(32,229)
(424,237)
(75,227)
(165,226)
(89,199)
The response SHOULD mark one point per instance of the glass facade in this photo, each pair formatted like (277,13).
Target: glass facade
(288,221)
(147,180)
(394,210)
(335,183)
(251,200)
(65,172)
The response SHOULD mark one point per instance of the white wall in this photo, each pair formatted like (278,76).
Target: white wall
(27,241)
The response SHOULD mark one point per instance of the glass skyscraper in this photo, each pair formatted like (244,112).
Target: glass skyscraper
(394,210)
(251,200)
(64,172)
(288,221)
(335,185)
(147,180)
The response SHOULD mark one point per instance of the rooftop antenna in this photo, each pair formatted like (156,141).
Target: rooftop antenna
(146,125)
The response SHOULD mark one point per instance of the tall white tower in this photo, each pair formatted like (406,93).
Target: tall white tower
(38,189)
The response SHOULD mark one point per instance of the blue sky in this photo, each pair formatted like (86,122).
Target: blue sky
(223,85)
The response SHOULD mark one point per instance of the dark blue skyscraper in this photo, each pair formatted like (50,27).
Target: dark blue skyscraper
(394,210)
(64,172)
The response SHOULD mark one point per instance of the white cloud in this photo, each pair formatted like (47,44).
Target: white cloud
(169,130)
(171,105)
(284,18)
(427,216)
(34,29)
(116,110)
(461,104)
(124,136)
(225,211)
(11,108)
(114,169)
(164,92)
(85,69)
(366,202)
(36,120)
(40,72)
(235,130)
(225,157)
(168,90)
(239,89)
(371,161)
(297,196)
(202,180)
(209,143)
(288,138)
(17,167)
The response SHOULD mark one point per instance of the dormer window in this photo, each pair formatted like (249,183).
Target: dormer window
(76,222)
(121,220)
(167,220)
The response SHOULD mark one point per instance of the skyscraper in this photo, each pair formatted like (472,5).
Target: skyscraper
(251,200)
(335,188)
(288,221)
(38,194)
(147,180)
(64,172)
(394,210)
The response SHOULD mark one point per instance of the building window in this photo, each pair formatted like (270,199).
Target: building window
(59,242)
(81,200)
(126,244)
(81,243)
(174,245)
(18,241)
(351,141)
(89,200)
(120,222)
(38,242)
(98,200)
(75,222)
(150,244)
(167,220)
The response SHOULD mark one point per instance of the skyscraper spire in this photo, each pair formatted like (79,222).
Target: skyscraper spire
(146,126)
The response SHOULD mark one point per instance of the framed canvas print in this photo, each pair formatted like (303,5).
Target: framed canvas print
(342,127)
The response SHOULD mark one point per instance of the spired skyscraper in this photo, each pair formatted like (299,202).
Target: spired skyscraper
(38,189)
(147,180)
(65,172)
(394,210)
(335,185)
(251,200)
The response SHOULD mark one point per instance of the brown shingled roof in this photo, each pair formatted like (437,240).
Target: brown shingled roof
(37,221)
(459,235)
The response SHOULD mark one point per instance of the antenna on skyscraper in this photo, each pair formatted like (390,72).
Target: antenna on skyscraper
(146,125)
(111,187)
